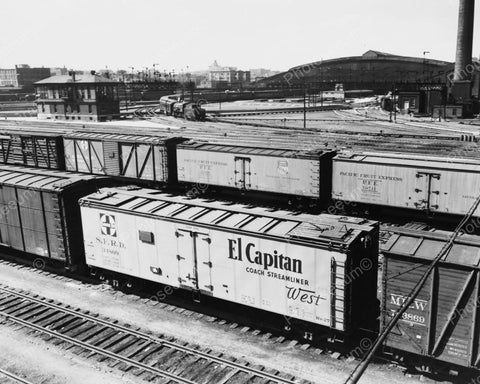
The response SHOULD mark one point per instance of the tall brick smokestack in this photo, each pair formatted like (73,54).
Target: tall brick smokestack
(464,40)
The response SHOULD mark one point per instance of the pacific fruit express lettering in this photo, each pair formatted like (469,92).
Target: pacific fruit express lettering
(237,251)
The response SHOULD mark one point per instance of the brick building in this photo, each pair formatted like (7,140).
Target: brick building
(22,76)
(86,97)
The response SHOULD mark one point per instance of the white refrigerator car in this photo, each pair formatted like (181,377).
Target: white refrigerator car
(321,269)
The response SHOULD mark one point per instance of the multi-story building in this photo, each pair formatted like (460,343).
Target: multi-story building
(226,77)
(22,76)
(58,71)
(77,97)
(261,73)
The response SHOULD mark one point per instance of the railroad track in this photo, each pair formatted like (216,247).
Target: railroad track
(273,111)
(12,378)
(145,355)
(252,134)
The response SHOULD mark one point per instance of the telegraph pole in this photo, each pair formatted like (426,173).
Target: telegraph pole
(304,105)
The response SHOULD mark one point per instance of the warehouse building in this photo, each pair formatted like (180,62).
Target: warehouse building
(86,97)
(373,70)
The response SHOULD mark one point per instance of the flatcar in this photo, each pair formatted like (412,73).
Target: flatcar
(134,157)
(442,323)
(299,266)
(292,173)
(435,185)
(39,212)
(33,149)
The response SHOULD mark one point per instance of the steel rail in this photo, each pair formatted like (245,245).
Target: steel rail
(12,376)
(238,366)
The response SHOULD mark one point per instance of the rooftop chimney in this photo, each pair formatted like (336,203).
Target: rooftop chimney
(464,40)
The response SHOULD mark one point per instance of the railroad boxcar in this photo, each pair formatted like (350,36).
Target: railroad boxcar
(431,184)
(147,158)
(279,171)
(442,323)
(42,150)
(39,212)
(320,269)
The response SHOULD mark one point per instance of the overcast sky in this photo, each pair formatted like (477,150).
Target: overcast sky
(276,34)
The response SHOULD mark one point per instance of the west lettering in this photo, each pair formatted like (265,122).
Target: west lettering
(303,295)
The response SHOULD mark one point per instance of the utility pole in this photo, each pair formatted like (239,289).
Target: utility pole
(394,102)
(132,94)
(304,105)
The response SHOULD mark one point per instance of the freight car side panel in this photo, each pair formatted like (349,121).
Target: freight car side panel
(454,192)
(279,277)
(276,276)
(377,184)
(450,191)
(286,175)
(117,158)
(441,321)
(144,161)
(84,156)
(34,151)
(30,222)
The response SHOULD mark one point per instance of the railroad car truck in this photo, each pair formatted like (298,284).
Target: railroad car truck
(275,172)
(422,183)
(318,269)
(133,157)
(442,323)
(39,213)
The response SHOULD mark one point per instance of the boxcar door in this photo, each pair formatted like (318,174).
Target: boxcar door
(187,271)
(434,192)
(204,261)
(421,193)
(242,172)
